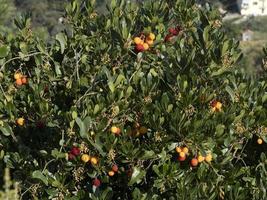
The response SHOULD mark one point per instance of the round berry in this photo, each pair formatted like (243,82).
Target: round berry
(96,182)
(194,162)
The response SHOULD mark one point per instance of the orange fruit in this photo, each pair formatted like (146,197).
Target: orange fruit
(182,154)
(200,158)
(146,46)
(151,36)
(17,76)
(194,162)
(20,121)
(208,158)
(94,160)
(185,150)
(85,158)
(149,42)
(19,82)
(178,149)
(259,141)
(115,130)
(138,40)
(115,168)
(181,158)
(24,80)
(111,173)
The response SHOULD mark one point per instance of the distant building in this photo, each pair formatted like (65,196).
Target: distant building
(252,7)
(247,35)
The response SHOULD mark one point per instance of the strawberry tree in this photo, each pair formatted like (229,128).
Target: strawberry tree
(145,101)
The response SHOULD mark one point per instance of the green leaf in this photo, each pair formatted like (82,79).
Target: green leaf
(39,175)
(57,154)
(61,37)
(137,176)
(129,91)
(148,155)
(111,86)
(220,130)
(82,127)
(231,93)
(119,79)
(96,109)
(74,114)
(264,98)
(6,129)
(98,146)
(4,51)
(206,34)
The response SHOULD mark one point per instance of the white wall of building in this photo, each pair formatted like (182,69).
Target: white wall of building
(253,7)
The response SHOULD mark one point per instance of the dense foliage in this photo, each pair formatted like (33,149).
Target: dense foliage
(97,114)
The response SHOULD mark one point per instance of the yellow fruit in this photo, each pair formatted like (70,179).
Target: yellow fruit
(149,42)
(200,158)
(138,40)
(178,149)
(85,158)
(20,121)
(115,130)
(151,36)
(185,150)
(208,158)
(219,105)
(146,46)
(143,130)
(182,154)
(17,76)
(259,141)
(94,160)
(111,173)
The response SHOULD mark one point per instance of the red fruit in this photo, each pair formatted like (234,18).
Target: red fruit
(173,31)
(115,168)
(75,151)
(181,158)
(24,80)
(213,103)
(71,156)
(96,182)
(168,37)
(139,48)
(194,162)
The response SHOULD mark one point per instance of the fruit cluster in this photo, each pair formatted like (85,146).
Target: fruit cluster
(172,33)
(184,152)
(113,170)
(20,79)
(144,42)
(75,151)
(86,158)
(216,106)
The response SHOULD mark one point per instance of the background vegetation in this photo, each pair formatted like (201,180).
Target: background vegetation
(90,113)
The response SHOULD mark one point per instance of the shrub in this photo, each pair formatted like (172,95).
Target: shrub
(100,117)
